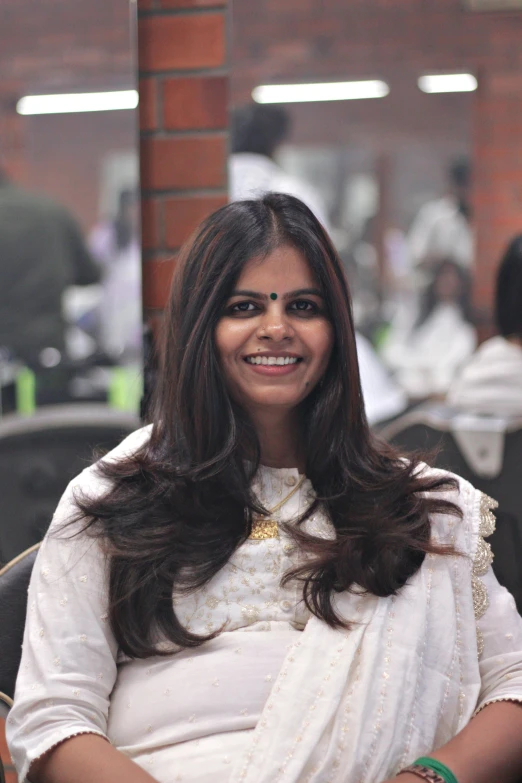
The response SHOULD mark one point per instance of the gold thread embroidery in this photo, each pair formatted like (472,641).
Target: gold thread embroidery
(487,518)
(482,561)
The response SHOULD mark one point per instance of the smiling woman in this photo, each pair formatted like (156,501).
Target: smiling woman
(255,589)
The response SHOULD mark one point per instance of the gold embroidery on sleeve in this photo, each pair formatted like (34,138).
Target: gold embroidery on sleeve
(482,560)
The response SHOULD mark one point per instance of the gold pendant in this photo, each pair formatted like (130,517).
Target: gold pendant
(264,528)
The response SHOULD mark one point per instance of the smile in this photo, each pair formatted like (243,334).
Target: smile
(272,360)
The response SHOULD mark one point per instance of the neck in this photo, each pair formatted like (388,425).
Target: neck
(515,339)
(279,434)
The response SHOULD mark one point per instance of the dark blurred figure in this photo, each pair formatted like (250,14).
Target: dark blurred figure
(441,229)
(427,348)
(42,252)
(258,131)
(491,383)
(115,243)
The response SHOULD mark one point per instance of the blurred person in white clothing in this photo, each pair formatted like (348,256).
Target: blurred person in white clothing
(491,383)
(425,349)
(383,397)
(115,244)
(442,227)
(258,130)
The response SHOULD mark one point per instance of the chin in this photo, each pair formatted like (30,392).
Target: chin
(276,399)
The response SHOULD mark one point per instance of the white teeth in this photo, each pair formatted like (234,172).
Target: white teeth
(271,360)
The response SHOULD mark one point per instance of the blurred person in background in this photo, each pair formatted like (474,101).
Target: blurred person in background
(442,227)
(491,383)
(383,397)
(258,131)
(426,351)
(42,253)
(115,243)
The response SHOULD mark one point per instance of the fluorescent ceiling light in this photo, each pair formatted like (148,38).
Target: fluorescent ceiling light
(77,102)
(328,91)
(447,82)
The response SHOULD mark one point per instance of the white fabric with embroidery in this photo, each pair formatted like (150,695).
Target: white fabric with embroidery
(266,700)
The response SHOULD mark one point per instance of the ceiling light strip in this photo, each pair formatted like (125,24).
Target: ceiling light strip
(447,82)
(70,103)
(326,91)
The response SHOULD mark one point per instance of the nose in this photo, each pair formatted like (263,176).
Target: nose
(275,326)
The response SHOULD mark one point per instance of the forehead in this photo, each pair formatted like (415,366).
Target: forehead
(285,268)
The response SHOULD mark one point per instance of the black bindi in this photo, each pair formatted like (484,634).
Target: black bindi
(273,296)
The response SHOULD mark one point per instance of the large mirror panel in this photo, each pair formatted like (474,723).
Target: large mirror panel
(70,284)
(383,158)
(70,267)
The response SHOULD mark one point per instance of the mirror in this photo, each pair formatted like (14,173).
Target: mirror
(70,271)
(370,161)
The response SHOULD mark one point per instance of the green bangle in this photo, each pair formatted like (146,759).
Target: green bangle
(438,767)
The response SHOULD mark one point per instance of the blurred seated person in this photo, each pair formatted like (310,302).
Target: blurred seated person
(115,244)
(491,383)
(442,227)
(257,132)
(42,253)
(426,351)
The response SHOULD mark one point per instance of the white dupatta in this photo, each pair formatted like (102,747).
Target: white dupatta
(356,706)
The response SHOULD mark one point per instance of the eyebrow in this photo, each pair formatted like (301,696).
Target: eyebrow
(289,295)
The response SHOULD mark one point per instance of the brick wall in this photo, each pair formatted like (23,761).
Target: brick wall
(183,123)
(498,157)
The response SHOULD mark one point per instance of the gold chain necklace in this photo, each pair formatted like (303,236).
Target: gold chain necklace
(263,527)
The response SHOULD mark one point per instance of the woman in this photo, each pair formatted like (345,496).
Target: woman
(491,382)
(426,353)
(254,589)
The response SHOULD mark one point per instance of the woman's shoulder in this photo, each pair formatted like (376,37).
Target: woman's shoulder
(474,519)
(91,483)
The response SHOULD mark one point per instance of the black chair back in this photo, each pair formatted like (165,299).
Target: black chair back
(14,581)
(430,428)
(39,455)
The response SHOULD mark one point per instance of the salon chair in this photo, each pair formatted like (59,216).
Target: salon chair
(39,455)
(14,581)
(485,450)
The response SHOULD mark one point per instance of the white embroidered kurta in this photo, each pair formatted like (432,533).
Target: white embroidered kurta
(277,695)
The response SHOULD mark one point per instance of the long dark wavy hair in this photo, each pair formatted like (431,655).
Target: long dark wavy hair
(180,506)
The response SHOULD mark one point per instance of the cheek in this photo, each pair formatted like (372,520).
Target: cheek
(228,339)
(321,342)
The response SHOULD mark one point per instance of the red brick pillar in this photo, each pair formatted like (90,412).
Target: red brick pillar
(183,129)
(12,138)
(497,175)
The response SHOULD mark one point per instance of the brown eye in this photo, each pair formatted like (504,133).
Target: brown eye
(242,307)
(304,306)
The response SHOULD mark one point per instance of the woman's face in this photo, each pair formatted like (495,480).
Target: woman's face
(274,339)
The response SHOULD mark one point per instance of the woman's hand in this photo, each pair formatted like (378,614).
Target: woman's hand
(404,777)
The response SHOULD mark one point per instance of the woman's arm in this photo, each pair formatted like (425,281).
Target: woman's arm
(487,750)
(68,666)
(84,759)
